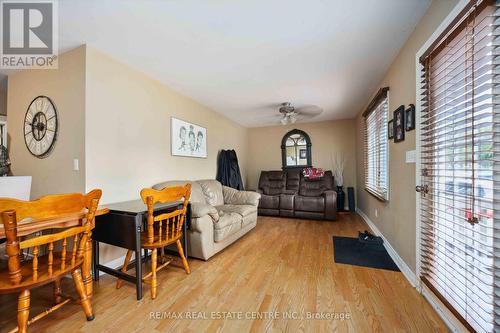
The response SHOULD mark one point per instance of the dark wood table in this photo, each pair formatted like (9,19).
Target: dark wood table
(122,227)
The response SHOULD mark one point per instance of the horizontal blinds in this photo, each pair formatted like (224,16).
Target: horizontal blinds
(460,144)
(376,147)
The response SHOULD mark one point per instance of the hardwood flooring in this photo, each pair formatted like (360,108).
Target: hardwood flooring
(284,267)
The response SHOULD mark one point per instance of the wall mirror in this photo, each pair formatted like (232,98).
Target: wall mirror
(296,150)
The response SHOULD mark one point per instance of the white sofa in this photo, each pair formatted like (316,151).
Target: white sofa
(219,215)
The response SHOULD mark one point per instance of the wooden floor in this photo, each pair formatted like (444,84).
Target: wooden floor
(284,267)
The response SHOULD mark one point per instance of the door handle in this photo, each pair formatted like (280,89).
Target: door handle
(424,189)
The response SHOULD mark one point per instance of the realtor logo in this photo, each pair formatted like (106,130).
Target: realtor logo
(29,34)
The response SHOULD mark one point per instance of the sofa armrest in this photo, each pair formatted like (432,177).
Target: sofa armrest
(200,209)
(235,197)
(330,205)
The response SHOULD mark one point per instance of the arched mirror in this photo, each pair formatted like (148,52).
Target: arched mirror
(296,150)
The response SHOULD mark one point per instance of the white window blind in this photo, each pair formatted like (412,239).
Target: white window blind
(460,141)
(376,147)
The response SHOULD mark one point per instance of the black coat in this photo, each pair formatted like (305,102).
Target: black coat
(228,170)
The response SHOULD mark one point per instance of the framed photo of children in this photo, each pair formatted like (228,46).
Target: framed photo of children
(399,124)
(410,118)
(187,139)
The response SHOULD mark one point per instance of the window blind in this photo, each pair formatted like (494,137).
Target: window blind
(376,147)
(460,143)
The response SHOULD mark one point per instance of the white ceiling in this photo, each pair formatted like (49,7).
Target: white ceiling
(241,57)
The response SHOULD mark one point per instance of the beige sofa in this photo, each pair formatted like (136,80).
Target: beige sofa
(219,215)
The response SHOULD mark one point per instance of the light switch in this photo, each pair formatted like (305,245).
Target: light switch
(411,156)
(76,165)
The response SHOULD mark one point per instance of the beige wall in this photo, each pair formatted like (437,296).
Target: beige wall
(128,131)
(327,138)
(66,87)
(396,218)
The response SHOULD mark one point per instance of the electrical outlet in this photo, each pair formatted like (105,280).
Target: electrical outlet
(376,212)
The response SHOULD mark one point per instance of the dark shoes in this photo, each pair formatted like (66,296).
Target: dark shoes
(368,238)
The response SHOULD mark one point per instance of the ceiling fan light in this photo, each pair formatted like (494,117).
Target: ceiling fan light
(284,120)
(292,119)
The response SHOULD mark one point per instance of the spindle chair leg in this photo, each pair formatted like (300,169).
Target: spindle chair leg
(119,282)
(57,291)
(154,282)
(80,288)
(87,268)
(183,258)
(23,311)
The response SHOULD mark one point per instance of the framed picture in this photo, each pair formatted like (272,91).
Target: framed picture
(390,129)
(187,139)
(303,153)
(410,117)
(399,124)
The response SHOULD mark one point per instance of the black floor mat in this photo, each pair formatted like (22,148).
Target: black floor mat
(349,251)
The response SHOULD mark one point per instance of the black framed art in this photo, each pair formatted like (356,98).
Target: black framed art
(390,129)
(410,118)
(399,124)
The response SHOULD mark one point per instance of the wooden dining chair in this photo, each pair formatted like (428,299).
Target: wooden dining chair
(162,230)
(67,250)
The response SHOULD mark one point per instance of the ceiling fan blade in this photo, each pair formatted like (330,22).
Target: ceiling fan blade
(309,110)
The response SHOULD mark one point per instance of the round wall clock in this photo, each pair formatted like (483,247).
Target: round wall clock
(40,127)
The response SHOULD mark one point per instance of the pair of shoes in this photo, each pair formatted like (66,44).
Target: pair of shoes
(368,238)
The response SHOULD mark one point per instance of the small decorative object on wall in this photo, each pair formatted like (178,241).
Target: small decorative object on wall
(410,117)
(188,139)
(40,127)
(399,124)
(390,129)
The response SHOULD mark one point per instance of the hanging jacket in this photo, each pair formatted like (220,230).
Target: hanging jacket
(228,170)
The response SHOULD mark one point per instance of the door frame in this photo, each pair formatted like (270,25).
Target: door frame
(418,109)
(444,313)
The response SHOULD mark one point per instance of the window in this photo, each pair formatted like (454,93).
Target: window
(376,147)
(296,149)
(460,167)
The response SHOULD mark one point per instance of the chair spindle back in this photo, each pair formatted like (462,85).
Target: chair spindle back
(166,226)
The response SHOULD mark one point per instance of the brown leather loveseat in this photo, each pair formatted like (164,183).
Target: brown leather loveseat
(289,194)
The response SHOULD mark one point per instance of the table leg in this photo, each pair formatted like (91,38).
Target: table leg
(138,261)
(95,261)
(184,236)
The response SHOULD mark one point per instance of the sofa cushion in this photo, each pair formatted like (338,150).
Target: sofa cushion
(286,201)
(269,201)
(243,210)
(228,224)
(272,182)
(310,204)
(212,191)
(196,191)
(293,180)
(316,187)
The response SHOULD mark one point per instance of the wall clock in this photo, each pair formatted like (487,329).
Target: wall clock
(40,127)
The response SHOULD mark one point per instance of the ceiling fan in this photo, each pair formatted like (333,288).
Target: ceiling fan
(290,114)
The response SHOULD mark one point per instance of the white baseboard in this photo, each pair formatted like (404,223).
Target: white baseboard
(403,267)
